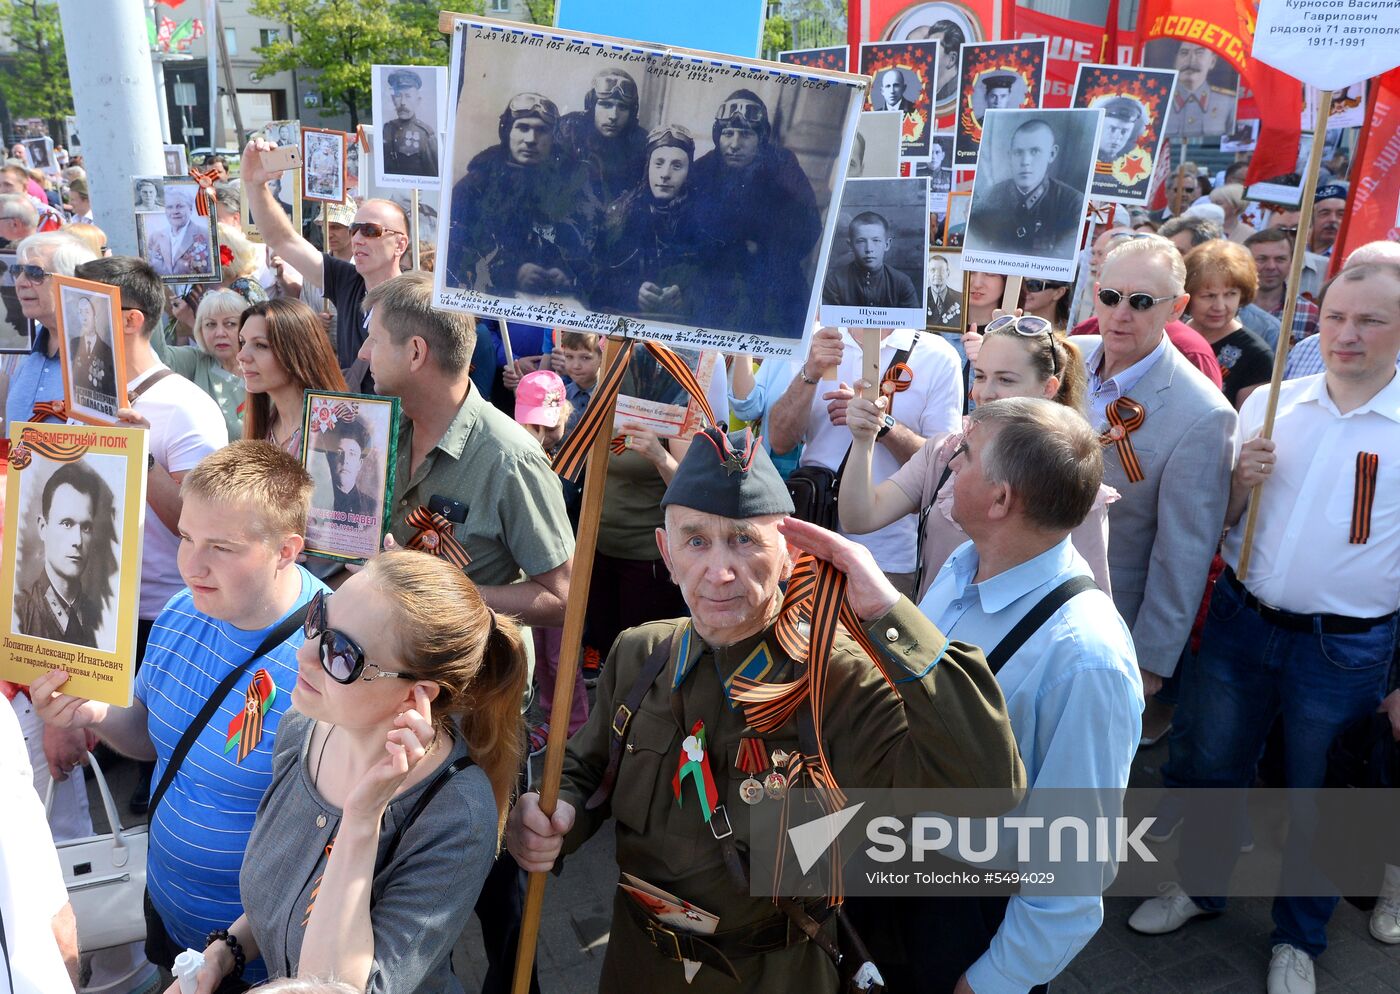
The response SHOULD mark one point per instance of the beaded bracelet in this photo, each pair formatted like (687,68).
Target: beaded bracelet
(225,936)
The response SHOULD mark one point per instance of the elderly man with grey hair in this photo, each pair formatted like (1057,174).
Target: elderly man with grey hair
(18,219)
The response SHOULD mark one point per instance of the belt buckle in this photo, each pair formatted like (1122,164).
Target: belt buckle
(728,828)
(621,717)
(654,930)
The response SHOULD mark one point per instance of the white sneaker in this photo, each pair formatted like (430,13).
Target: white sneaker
(1385,917)
(1291,971)
(1166,913)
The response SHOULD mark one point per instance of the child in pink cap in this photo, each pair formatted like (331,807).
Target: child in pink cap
(542,409)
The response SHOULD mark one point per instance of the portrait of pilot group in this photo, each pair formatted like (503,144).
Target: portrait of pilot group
(624,188)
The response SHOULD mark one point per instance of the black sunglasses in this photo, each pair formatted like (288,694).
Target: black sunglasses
(1137,301)
(341,656)
(34,274)
(1029,326)
(371,230)
(1036,286)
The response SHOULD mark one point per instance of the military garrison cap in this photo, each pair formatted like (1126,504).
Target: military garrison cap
(731,476)
(405,79)
(998,81)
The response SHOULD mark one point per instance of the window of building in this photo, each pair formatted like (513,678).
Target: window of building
(231,41)
(268,36)
(500,6)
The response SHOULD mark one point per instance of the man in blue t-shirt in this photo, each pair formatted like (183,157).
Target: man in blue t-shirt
(241,530)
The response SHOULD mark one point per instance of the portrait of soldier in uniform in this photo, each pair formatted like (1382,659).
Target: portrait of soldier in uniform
(68,591)
(90,353)
(347,447)
(866,281)
(944,305)
(409,133)
(1204,102)
(607,135)
(1020,204)
(940,158)
(996,93)
(1123,123)
(950,39)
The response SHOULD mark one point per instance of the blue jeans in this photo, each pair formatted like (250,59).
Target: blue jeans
(1248,672)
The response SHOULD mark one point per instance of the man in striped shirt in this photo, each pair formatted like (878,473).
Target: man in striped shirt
(241,530)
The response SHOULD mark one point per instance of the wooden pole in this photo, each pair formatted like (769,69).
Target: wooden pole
(1290,300)
(571,644)
(1011,294)
(413,227)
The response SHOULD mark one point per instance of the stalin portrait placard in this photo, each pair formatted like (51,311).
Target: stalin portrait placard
(1134,104)
(1203,105)
(408,115)
(1029,197)
(994,75)
(906,75)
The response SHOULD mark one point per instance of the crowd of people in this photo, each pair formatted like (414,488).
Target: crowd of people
(333,758)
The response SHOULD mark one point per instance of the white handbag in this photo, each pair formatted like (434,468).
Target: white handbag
(105,876)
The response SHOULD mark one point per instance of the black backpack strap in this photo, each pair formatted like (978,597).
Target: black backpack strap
(622,718)
(274,638)
(439,781)
(1036,617)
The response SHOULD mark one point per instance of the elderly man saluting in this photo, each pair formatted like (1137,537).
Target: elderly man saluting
(934,717)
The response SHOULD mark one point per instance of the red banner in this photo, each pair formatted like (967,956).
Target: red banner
(1374,213)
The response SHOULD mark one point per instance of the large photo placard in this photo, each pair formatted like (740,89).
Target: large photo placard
(876,274)
(91,349)
(905,75)
(181,244)
(994,75)
(728,170)
(1134,104)
(75,504)
(348,447)
(408,117)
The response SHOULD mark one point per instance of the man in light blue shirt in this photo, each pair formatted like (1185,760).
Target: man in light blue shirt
(1027,473)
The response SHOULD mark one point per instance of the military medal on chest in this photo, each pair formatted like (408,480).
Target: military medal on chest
(752,760)
(775,784)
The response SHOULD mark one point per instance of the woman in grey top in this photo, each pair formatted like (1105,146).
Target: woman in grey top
(404,671)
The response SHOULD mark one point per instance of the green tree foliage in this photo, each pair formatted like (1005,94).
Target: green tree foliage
(340,40)
(777,35)
(36,84)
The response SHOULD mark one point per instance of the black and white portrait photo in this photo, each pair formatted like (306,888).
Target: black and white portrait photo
(875,151)
(876,274)
(994,75)
(1030,192)
(66,570)
(16,330)
(904,75)
(944,310)
(178,242)
(1207,86)
(347,446)
(595,182)
(1134,103)
(951,24)
(92,350)
(1243,138)
(323,165)
(408,115)
(939,170)
(41,155)
(177,163)
(148,194)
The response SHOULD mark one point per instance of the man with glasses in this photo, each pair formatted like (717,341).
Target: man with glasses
(241,526)
(757,200)
(607,136)
(1169,434)
(378,240)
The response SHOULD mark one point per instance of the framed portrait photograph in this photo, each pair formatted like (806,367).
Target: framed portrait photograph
(955,220)
(876,273)
(41,155)
(348,445)
(180,244)
(409,115)
(1207,87)
(994,75)
(1029,197)
(836,57)
(16,330)
(620,188)
(423,225)
(148,194)
(323,165)
(92,349)
(654,399)
(875,151)
(1134,104)
(944,310)
(904,74)
(76,503)
(177,161)
(939,170)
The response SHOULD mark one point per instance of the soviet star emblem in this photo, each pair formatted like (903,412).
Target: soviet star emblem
(733,463)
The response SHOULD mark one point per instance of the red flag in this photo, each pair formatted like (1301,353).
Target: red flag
(1108,51)
(1157,189)
(1280,101)
(1374,211)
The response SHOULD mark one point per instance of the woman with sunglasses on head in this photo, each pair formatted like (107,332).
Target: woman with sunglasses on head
(391,783)
(282,352)
(1020,356)
(1221,278)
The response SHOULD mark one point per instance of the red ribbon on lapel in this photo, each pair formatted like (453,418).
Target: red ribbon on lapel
(1368,466)
(1125,416)
(205,180)
(435,537)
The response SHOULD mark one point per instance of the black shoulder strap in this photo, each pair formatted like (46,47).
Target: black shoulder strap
(134,392)
(274,638)
(1036,617)
(439,781)
(622,718)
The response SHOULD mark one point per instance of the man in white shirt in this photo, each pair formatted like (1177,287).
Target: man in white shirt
(185,425)
(1309,633)
(928,402)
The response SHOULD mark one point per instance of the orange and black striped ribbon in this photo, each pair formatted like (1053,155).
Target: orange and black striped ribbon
(435,537)
(45,409)
(205,180)
(251,721)
(618,445)
(572,455)
(1368,465)
(897,379)
(683,375)
(316,887)
(1125,416)
(39,441)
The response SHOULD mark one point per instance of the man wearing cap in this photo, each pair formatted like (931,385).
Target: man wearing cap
(523,215)
(1122,125)
(758,202)
(892,87)
(607,136)
(1198,108)
(926,712)
(1329,207)
(1032,213)
(657,257)
(866,280)
(410,145)
(996,92)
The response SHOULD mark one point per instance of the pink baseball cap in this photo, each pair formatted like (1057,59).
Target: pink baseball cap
(539,398)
